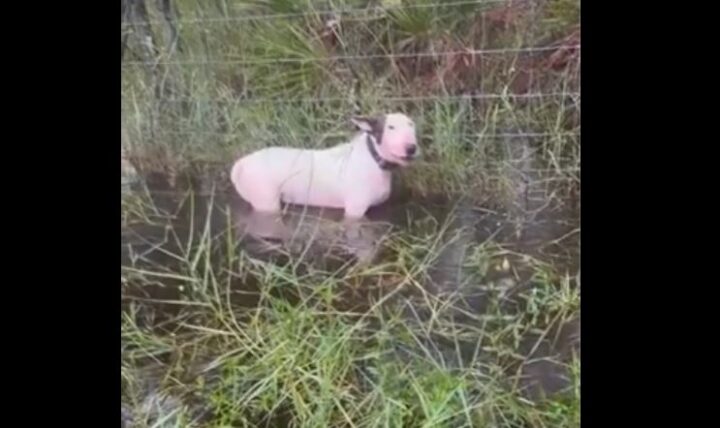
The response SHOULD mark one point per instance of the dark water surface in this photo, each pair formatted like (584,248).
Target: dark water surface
(534,221)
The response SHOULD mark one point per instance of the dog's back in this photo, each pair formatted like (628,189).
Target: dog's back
(299,176)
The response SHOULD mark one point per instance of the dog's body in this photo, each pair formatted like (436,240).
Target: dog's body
(353,176)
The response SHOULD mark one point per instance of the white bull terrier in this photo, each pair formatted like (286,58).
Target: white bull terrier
(353,176)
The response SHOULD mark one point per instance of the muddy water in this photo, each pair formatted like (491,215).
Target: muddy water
(531,221)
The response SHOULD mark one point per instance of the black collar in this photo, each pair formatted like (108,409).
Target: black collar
(382,163)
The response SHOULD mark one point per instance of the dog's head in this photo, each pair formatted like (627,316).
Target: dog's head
(394,136)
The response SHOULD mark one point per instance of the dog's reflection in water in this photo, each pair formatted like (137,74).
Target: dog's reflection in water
(305,230)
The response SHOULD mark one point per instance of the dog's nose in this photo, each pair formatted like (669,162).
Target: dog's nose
(411,150)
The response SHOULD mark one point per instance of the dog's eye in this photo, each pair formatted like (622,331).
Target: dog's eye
(391,127)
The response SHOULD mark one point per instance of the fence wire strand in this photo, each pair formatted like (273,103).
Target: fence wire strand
(261,61)
(327,12)
(326,134)
(495,96)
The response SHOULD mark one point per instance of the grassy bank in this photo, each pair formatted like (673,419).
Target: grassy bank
(213,82)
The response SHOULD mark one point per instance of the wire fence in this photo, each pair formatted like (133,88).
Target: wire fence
(561,101)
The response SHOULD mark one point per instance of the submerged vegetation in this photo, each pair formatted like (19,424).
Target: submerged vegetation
(216,336)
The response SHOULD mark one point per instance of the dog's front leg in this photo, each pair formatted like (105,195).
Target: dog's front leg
(267,226)
(354,218)
(355,212)
(362,244)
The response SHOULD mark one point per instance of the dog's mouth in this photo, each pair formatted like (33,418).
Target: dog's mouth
(409,158)
(404,158)
(401,160)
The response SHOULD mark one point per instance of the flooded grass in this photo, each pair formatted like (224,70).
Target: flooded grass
(458,320)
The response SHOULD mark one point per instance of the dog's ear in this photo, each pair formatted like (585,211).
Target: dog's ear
(367,124)
(371,125)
